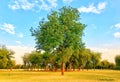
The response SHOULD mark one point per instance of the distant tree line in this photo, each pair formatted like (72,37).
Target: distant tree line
(85,59)
(82,59)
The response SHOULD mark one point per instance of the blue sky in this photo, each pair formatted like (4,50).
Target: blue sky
(102,18)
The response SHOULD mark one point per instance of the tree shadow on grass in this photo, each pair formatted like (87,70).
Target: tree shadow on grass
(107,79)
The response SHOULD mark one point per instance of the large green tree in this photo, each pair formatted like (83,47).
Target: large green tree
(62,31)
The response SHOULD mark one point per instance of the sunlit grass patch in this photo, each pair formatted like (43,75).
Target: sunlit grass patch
(80,76)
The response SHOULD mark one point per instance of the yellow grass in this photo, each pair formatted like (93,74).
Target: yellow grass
(81,76)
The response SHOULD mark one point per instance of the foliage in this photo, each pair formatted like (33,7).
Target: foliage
(32,60)
(95,58)
(3,57)
(11,64)
(117,61)
(6,56)
(104,64)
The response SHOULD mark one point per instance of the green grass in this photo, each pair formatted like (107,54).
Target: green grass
(81,76)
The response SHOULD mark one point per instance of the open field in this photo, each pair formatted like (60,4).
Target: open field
(81,76)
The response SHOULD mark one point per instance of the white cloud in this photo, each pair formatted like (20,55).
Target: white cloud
(67,1)
(20,35)
(92,8)
(53,3)
(47,4)
(33,5)
(18,42)
(8,28)
(14,6)
(117,34)
(101,6)
(21,4)
(26,5)
(44,5)
(117,26)
(20,51)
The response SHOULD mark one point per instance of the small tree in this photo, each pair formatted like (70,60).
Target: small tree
(46,59)
(6,56)
(3,57)
(84,58)
(26,61)
(11,64)
(35,59)
(117,61)
(95,58)
(105,64)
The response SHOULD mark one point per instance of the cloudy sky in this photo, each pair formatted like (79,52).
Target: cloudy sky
(102,18)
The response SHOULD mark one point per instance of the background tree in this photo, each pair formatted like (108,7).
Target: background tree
(72,63)
(111,66)
(117,61)
(87,58)
(3,57)
(34,59)
(46,59)
(83,58)
(62,31)
(105,64)
(95,58)
(18,66)
(26,61)
(55,61)
(11,64)
(10,54)
(6,56)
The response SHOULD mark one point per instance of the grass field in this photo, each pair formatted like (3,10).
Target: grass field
(81,76)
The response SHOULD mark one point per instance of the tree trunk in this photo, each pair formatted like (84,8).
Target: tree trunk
(46,67)
(94,68)
(70,66)
(62,69)
(79,68)
(11,69)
